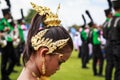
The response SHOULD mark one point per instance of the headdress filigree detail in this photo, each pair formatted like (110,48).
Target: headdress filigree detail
(38,41)
(51,19)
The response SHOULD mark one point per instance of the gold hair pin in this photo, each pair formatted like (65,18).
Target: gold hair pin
(51,19)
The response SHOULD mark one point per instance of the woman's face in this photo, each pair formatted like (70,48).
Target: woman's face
(53,62)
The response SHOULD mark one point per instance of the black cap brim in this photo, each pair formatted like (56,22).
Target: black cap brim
(6,11)
(107,11)
(116,4)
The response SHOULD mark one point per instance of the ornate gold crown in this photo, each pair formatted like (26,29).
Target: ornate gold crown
(38,41)
(51,19)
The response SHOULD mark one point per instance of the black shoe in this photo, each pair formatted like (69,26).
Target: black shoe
(19,65)
(85,67)
(15,71)
(6,78)
(100,75)
(95,74)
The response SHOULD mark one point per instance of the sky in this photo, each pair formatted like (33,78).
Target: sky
(69,13)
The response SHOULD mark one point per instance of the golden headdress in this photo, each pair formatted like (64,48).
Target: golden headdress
(51,20)
(38,41)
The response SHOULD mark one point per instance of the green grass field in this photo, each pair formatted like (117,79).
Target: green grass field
(70,70)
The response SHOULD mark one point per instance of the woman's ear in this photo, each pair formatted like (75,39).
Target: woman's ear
(42,52)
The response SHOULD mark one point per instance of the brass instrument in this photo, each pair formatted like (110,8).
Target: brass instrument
(15,37)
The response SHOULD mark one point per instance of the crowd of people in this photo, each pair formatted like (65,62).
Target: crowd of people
(48,44)
(89,42)
(101,43)
(12,41)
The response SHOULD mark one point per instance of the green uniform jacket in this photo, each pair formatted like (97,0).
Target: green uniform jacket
(84,35)
(4,23)
(95,36)
(21,34)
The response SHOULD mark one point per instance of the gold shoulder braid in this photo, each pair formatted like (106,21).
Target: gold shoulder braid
(51,19)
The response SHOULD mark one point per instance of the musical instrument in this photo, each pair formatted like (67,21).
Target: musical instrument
(3,41)
(13,34)
(16,38)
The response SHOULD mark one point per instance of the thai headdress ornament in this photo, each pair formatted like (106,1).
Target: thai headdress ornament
(51,20)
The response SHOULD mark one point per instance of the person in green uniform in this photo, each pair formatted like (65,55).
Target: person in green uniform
(20,47)
(84,47)
(114,37)
(8,50)
(21,30)
(108,46)
(5,27)
(97,53)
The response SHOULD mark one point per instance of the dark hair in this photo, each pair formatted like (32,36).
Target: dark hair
(116,8)
(116,5)
(55,33)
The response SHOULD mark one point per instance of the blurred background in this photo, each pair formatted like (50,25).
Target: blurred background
(70,13)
